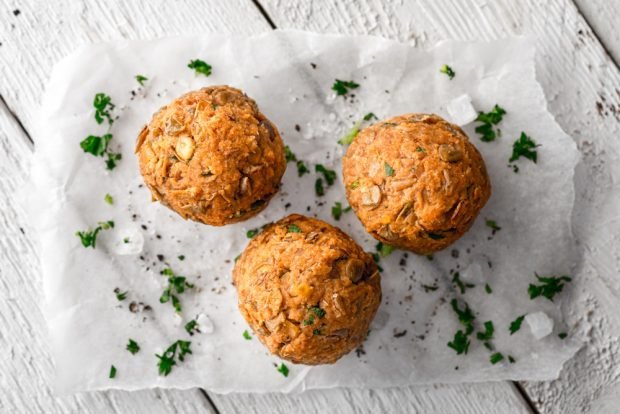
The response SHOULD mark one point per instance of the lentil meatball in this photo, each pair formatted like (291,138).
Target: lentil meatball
(212,156)
(415,181)
(307,290)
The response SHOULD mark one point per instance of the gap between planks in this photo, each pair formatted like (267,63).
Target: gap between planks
(598,37)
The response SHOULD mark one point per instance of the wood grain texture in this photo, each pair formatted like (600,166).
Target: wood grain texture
(26,368)
(582,86)
(603,17)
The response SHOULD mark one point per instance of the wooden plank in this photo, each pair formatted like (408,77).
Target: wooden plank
(26,366)
(581,85)
(603,17)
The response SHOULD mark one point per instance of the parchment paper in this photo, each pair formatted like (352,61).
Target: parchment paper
(290,75)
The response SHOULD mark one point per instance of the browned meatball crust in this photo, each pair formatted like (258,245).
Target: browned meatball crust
(212,156)
(307,290)
(415,182)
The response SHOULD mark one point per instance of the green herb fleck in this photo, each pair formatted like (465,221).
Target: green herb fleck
(246,335)
(317,311)
(133,347)
(318,187)
(516,324)
(524,147)
(337,210)
(108,199)
(200,67)
(447,70)
(191,327)
(168,359)
(487,335)
(89,237)
(370,116)
(120,296)
(354,185)
(460,343)
(329,175)
(420,149)
(293,228)
(251,233)
(389,171)
(430,288)
(384,249)
(103,105)
(496,357)
(487,288)
(429,257)
(486,130)
(309,320)
(95,145)
(549,287)
(465,315)
(112,371)
(492,224)
(283,369)
(456,279)
(435,236)
(181,257)
(350,136)
(316,332)
(562,335)
(175,284)
(141,79)
(342,87)
(511,359)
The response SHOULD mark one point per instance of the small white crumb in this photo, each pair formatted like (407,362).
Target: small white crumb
(205,325)
(178,319)
(461,111)
(540,324)
(128,241)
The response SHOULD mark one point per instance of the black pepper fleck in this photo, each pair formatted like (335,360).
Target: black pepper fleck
(160,257)
(16,12)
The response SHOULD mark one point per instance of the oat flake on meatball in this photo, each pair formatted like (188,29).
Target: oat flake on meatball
(212,156)
(307,290)
(415,181)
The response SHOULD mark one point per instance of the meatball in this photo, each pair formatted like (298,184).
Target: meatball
(212,156)
(415,182)
(307,290)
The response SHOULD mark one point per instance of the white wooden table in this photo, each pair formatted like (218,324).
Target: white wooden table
(577,64)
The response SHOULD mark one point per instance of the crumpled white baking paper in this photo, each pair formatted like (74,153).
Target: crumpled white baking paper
(290,75)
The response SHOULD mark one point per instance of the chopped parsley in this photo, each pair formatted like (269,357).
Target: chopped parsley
(89,237)
(465,315)
(549,286)
(456,279)
(384,250)
(460,343)
(251,233)
(283,369)
(293,228)
(317,311)
(246,335)
(342,87)
(496,357)
(370,116)
(175,284)
(492,224)
(318,187)
(516,324)
(354,185)
(98,146)
(108,199)
(420,149)
(301,166)
(133,347)
(140,79)
(447,70)
(112,371)
(329,175)
(126,240)
(181,257)
(389,171)
(337,210)
(120,296)
(200,67)
(316,332)
(430,288)
(168,359)
(487,288)
(524,147)
(487,335)
(103,105)
(309,321)
(488,120)
(562,335)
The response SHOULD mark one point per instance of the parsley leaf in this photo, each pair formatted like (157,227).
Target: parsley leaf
(488,289)
(108,199)
(486,130)
(342,87)
(466,316)
(110,163)
(283,369)
(384,250)
(317,311)
(141,79)
(524,147)
(200,66)
(370,116)
(516,324)
(290,156)
(191,327)
(293,228)
(112,371)
(251,233)
(456,279)
(492,224)
(120,296)
(496,357)
(246,335)
(355,184)
(133,347)
(318,187)
(89,237)
(329,175)
(460,343)
(487,335)
(447,70)
(337,210)
(549,286)
(175,284)
(98,146)
(103,105)
(167,360)
(389,171)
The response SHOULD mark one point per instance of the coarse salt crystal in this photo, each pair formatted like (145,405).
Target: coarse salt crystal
(461,111)
(540,324)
